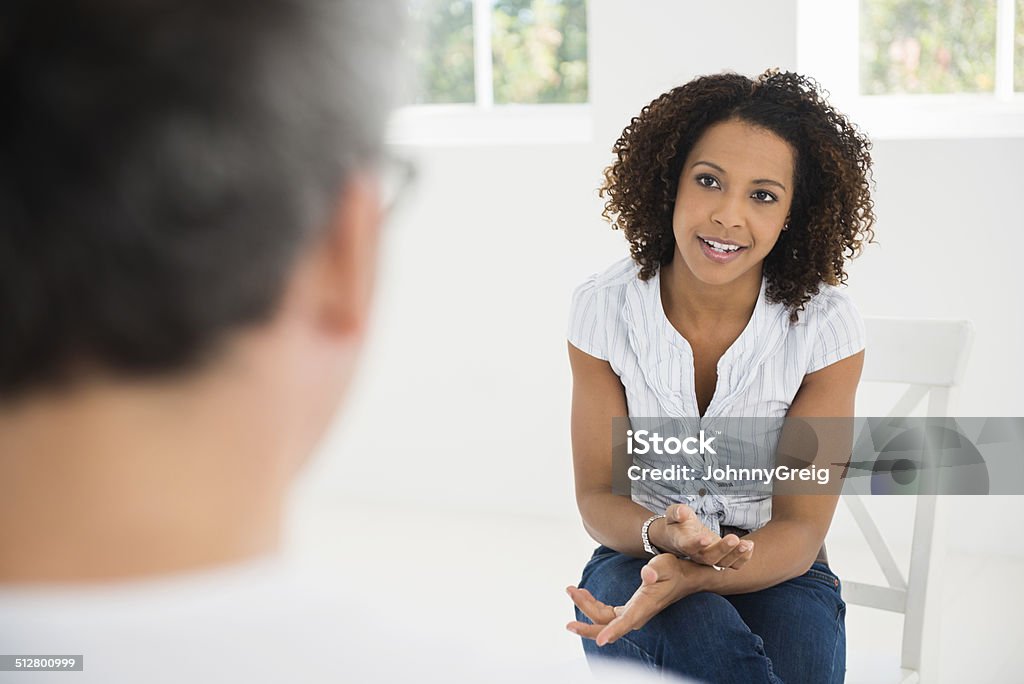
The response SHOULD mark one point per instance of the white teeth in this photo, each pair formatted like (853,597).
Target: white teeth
(721,247)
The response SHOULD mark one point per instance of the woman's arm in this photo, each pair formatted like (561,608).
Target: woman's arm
(787,544)
(597,398)
(613,520)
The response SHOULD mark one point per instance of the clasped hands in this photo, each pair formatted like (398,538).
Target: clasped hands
(665,579)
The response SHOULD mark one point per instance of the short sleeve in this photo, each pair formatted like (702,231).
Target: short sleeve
(587,323)
(840,332)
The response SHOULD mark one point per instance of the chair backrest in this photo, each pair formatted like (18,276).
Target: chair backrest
(916,352)
(930,357)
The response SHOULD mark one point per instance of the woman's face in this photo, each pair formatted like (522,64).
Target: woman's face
(734,195)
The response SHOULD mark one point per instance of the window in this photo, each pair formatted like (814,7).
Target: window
(443,54)
(540,51)
(496,69)
(941,46)
(1018,53)
(919,68)
(500,51)
(927,46)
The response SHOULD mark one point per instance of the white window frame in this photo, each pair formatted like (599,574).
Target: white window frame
(484,122)
(828,49)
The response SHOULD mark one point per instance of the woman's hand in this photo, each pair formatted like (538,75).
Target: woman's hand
(664,581)
(682,533)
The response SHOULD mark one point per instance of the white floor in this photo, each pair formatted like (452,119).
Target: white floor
(501,579)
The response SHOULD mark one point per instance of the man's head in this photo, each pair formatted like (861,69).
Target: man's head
(164,167)
(188,219)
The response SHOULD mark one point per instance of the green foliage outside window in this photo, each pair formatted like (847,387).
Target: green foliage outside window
(929,46)
(443,56)
(1018,49)
(540,51)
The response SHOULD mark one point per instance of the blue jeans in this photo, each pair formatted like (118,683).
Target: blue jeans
(792,632)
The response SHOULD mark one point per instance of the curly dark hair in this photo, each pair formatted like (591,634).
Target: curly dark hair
(831,215)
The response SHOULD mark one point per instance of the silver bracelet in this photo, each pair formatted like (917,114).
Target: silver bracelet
(648,546)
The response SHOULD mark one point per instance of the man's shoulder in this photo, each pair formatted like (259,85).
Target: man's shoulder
(259,625)
(250,623)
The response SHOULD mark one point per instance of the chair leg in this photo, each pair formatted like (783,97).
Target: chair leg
(921,621)
(910,677)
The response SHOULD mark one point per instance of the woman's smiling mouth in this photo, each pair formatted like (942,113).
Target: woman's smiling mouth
(720,251)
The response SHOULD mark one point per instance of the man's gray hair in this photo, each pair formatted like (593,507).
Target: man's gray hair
(163,162)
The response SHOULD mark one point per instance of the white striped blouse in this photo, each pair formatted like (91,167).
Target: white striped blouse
(620,319)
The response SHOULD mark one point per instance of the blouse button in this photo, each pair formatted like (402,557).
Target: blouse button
(702,491)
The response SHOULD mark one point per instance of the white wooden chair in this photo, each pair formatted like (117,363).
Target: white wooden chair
(929,356)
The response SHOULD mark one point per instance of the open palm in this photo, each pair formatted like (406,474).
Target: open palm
(662,583)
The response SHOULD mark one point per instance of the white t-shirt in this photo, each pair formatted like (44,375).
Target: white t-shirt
(619,318)
(264,621)
(261,621)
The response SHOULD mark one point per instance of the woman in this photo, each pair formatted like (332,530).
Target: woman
(741,200)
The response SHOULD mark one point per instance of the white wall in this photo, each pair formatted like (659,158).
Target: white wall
(950,234)
(465,376)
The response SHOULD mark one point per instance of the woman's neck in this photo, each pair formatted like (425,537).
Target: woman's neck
(692,300)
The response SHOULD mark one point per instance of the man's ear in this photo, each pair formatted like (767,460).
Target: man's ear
(348,258)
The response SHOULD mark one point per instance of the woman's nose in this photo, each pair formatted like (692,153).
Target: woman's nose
(728,212)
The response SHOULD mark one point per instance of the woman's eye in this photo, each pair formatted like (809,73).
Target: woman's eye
(708,181)
(764,196)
